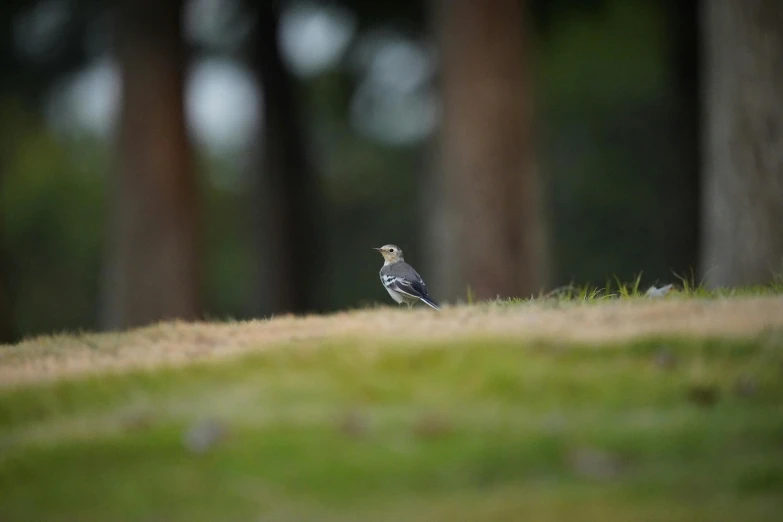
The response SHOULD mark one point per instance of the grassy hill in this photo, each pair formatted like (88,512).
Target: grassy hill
(609,410)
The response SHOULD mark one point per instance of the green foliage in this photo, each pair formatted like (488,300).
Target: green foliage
(230,247)
(612,150)
(52,200)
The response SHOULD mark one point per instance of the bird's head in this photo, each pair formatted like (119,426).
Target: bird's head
(390,253)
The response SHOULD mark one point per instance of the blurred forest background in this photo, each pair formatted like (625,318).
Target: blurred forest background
(239,158)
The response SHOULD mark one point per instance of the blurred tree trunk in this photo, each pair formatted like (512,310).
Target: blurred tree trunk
(489,229)
(286,205)
(743,192)
(153,260)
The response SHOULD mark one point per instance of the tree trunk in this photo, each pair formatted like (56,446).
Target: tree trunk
(489,231)
(743,191)
(286,189)
(152,271)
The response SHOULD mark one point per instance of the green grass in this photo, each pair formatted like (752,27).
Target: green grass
(668,428)
(684,287)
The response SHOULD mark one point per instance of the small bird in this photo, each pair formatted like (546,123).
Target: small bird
(403,283)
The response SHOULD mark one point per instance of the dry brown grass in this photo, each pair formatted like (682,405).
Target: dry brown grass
(169,344)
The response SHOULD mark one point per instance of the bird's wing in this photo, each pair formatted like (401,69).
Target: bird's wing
(404,279)
(404,287)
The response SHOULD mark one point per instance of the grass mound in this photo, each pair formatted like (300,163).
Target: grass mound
(634,410)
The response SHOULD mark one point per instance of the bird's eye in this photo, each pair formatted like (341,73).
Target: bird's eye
(391,250)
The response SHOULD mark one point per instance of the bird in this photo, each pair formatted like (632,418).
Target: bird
(403,283)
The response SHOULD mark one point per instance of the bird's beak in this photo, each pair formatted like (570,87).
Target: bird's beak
(377,249)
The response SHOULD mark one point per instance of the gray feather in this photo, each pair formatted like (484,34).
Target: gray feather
(401,269)
(402,278)
(404,271)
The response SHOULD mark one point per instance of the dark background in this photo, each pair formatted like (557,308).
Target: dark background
(218,158)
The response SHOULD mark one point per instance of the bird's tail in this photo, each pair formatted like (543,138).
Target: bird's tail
(429,301)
